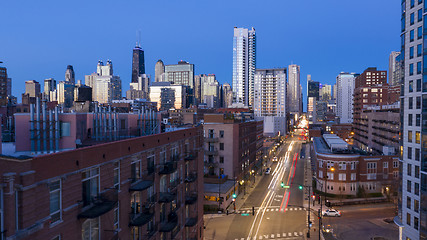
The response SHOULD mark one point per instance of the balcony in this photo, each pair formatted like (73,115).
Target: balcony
(211,151)
(211,139)
(141,185)
(191,221)
(174,183)
(140,219)
(99,205)
(191,198)
(210,164)
(168,167)
(166,197)
(191,156)
(170,224)
(191,177)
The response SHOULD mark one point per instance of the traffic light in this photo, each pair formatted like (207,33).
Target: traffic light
(282,185)
(300,187)
(234,195)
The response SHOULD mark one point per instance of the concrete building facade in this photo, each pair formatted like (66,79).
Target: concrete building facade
(344,98)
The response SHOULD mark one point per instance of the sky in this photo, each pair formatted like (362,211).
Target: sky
(38,39)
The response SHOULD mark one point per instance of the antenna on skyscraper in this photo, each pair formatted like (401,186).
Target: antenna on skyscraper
(138,38)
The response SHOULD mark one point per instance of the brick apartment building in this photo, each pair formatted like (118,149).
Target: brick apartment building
(233,154)
(141,188)
(375,112)
(343,171)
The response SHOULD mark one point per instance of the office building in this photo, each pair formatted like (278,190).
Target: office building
(69,75)
(4,86)
(168,95)
(48,88)
(32,88)
(105,86)
(139,89)
(413,203)
(227,94)
(65,93)
(392,67)
(82,93)
(159,71)
(294,90)
(325,92)
(198,89)
(345,90)
(210,90)
(244,65)
(138,64)
(180,74)
(149,187)
(270,100)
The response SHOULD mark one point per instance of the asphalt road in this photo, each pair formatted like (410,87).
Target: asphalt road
(279,212)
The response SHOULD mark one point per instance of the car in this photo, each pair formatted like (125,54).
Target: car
(328,229)
(267,171)
(275,159)
(331,213)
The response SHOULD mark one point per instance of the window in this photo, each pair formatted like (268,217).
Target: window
(221,146)
(417,120)
(416,223)
(417,189)
(417,171)
(408,202)
(409,136)
(134,232)
(90,229)
(117,175)
(419,69)
(408,219)
(342,176)
(419,51)
(417,154)
(353,177)
(65,129)
(409,119)
(320,174)
(411,103)
(420,15)
(412,18)
(116,217)
(385,164)
(411,36)
(417,137)
(419,32)
(418,103)
(55,201)
(221,133)
(330,176)
(411,69)
(221,159)
(342,166)
(409,169)
(135,202)
(409,152)
(395,164)
(90,185)
(416,205)
(135,170)
(411,55)
(211,133)
(408,186)
(353,165)
(412,3)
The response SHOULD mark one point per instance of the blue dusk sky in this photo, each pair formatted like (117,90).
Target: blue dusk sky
(40,38)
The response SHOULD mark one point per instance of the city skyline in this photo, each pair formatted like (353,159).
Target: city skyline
(274,49)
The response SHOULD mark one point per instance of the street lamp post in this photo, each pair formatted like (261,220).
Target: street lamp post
(326,181)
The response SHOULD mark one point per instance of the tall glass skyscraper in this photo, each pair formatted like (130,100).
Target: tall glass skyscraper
(244,65)
(412,199)
(138,64)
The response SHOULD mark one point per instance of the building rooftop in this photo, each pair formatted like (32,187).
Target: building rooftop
(215,188)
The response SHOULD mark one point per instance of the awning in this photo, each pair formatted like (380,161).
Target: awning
(142,219)
(169,226)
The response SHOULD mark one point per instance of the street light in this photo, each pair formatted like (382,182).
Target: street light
(326,180)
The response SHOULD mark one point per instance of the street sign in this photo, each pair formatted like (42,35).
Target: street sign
(245,214)
(286,186)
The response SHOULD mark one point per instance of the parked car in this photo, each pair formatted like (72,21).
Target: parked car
(267,171)
(332,213)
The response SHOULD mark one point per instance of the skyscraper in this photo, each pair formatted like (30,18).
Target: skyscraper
(181,74)
(294,90)
(227,94)
(345,89)
(412,198)
(69,75)
(270,100)
(4,85)
(159,71)
(210,90)
(392,67)
(325,92)
(138,65)
(105,86)
(49,89)
(244,65)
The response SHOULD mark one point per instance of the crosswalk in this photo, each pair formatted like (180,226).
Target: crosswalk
(271,209)
(277,236)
